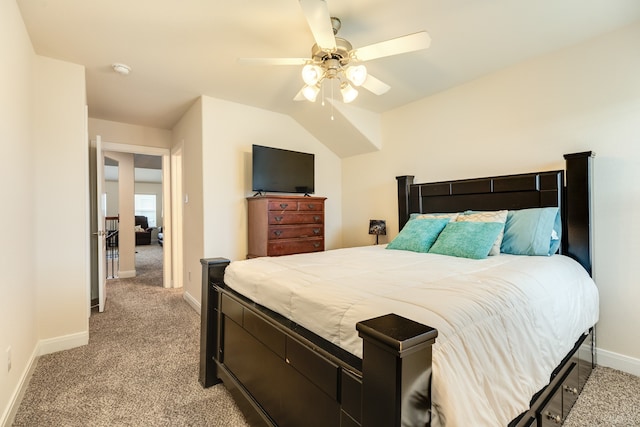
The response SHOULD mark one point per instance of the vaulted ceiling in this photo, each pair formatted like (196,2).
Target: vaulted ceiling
(179,50)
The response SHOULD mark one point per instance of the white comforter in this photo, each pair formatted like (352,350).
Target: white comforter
(504,323)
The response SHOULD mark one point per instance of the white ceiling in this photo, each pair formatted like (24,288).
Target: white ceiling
(180,49)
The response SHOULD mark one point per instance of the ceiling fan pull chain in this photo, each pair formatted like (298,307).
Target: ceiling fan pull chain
(331,100)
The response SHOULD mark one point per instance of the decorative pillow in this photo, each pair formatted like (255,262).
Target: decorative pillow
(556,234)
(467,239)
(418,236)
(534,231)
(487,216)
(139,228)
(451,216)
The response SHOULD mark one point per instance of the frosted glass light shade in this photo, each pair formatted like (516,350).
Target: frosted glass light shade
(311,74)
(349,93)
(311,92)
(357,74)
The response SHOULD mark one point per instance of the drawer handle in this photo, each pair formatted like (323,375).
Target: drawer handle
(316,231)
(310,205)
(279,218)
(571,390)
(555,418)
(284,205)
(277,232)
(316,245)
(316,218)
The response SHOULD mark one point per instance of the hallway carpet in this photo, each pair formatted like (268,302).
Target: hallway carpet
(140,367)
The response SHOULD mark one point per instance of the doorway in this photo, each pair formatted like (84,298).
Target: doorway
(163,208)
(134,200)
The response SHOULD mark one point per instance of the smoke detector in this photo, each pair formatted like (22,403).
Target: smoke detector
(121,69)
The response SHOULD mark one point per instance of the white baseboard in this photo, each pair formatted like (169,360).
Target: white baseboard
(127,274)
(65,342)
(617,361)
(191,301)
(43,347)
(16,398)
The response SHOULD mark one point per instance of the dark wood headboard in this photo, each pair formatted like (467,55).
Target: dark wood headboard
(569,190)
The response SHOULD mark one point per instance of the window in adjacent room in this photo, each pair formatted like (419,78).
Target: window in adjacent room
(145,204)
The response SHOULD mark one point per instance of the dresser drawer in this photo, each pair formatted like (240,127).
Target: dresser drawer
(283,205)
(295,231)
(279,218)
(288,247)
(311,206)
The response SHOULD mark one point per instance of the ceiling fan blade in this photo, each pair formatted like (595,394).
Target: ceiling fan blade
(404,44)
(375,86)
(273,61)
(319,19)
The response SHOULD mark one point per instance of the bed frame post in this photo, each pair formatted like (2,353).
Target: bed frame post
(212,275)
(579,177)
(404,182)
(396,371)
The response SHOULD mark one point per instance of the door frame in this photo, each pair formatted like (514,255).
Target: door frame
(177,194)
(165,153)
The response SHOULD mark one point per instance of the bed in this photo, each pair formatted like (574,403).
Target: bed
(398,361)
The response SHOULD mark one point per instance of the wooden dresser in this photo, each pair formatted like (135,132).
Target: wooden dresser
(284,225)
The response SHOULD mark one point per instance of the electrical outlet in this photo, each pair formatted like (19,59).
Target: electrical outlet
(8,358)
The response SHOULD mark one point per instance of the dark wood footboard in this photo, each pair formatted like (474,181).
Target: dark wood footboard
(281,374)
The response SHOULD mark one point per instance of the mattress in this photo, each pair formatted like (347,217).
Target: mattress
(504,322)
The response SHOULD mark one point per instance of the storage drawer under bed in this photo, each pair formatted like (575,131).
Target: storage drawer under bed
(288,371)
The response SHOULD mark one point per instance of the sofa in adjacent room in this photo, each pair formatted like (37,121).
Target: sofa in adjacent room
(143,232)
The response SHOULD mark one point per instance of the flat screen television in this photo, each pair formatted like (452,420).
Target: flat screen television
(282,171)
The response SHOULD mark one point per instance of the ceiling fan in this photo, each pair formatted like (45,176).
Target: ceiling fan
(335,58)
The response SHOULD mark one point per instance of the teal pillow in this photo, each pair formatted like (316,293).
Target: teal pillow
(556,234)
(418,235)
(529,232)
(467,239)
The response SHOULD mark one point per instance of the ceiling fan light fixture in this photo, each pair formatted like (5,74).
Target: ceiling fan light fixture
(311,74)
(349,93)
(310,92)
(357,74)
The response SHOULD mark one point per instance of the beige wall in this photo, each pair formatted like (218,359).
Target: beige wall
(188,134)
(44,267)
(124,133)
(18,290)
(61,207)
(228,133)
(217,136)
(523,119)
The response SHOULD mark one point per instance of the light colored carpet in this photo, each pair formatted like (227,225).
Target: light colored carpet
(610,398)
(149,264)
(140,368)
